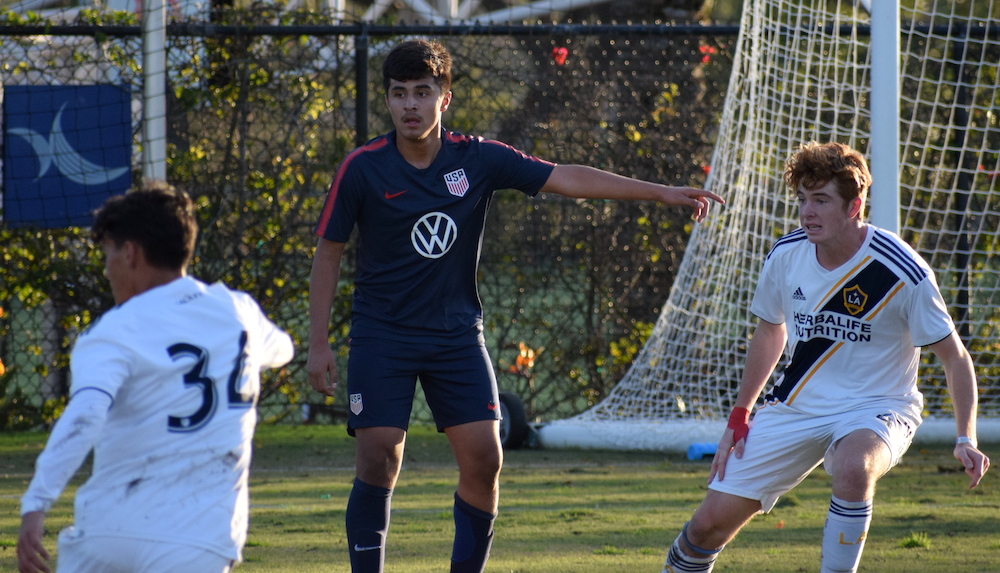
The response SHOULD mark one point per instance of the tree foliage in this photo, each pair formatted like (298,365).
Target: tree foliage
(258,125)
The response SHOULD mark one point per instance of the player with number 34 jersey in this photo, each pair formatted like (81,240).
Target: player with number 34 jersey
(181,363)
(164,389)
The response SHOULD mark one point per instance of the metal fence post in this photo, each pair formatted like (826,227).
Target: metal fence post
(154,105)
(361,79)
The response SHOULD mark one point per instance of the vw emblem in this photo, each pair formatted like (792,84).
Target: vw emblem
(433,235)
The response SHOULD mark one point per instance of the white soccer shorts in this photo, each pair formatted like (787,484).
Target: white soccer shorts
(784,446)
(78,553)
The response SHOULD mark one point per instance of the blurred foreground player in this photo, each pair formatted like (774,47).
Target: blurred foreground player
(164,389)
(855,304)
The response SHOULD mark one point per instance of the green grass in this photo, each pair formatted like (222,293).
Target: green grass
(569,510)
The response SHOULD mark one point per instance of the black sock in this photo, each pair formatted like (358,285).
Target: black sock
(473,538)
(367,525)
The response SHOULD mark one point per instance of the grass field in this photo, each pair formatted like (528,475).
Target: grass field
(563,511)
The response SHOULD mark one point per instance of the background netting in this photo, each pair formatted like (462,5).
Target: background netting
(257,121)
(801,73)
(262,105)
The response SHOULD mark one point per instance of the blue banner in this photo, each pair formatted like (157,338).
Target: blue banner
(66,150)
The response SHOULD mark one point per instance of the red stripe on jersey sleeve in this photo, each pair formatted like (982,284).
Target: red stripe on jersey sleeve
(459,138)
(331,197)
(518,151)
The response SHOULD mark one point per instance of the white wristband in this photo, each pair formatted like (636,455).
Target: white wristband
(965,440)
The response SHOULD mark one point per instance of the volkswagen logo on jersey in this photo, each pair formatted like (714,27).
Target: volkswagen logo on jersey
(434,234)
(457,182)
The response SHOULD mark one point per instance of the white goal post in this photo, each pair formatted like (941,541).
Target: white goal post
(803,73)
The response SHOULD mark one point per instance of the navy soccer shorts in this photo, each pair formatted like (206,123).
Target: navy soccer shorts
(458,383)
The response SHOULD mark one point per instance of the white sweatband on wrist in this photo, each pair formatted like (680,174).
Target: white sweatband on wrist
(965,440)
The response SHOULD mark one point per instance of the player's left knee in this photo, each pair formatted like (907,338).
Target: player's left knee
(483,467)
(490,465)
(854,482)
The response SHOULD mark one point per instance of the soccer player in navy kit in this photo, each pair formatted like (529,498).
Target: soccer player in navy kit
(418,197)
(855,304)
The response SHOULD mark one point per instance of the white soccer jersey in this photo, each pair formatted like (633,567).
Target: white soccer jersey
(181,362)
(854,332)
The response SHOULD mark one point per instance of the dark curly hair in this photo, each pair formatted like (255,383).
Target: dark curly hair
(415,59)
(157,217)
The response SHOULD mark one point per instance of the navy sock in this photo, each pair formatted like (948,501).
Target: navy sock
(367,526)
(473,538)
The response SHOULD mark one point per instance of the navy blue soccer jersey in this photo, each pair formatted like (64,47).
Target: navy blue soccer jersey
(420,232)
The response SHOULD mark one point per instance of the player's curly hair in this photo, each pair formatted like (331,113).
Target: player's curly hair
(157,217)
(814,165)
(415,59)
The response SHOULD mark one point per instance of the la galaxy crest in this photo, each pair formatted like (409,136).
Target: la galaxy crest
(855,300)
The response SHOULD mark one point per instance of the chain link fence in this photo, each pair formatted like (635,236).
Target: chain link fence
(261,108)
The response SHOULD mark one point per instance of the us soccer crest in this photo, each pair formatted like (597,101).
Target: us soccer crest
(457,182)
(356,405)
(854,300)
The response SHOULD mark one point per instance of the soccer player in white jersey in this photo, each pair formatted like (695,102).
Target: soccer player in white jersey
(164,389)
(855,304)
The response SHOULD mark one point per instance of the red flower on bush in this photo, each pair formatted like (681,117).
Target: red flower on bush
(706,51)
(559,55)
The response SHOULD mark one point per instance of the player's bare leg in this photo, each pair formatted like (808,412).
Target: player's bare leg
(379,456)
(714,524)
(857,462)
(479,455)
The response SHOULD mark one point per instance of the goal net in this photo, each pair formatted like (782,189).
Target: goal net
(802,73)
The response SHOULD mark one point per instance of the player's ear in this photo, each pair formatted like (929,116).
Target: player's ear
(854,207)
(131,252)
(445,101)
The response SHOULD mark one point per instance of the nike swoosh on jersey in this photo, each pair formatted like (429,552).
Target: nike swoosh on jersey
(367,548)
(394,195)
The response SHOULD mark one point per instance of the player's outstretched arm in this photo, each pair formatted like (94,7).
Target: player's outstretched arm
(765,350)
(961,377)
(72,438)
(31,554)
(321,362)
(582,182)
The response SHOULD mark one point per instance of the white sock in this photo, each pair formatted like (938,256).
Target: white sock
(680,562)
(844,535)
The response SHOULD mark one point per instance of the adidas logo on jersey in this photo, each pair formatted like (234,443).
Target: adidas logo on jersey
(797,295)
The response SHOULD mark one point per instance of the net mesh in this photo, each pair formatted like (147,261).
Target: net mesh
(801,73)
(256,124)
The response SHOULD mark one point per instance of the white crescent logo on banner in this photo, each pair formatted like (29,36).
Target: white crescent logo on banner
(56,150)
(433,235)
